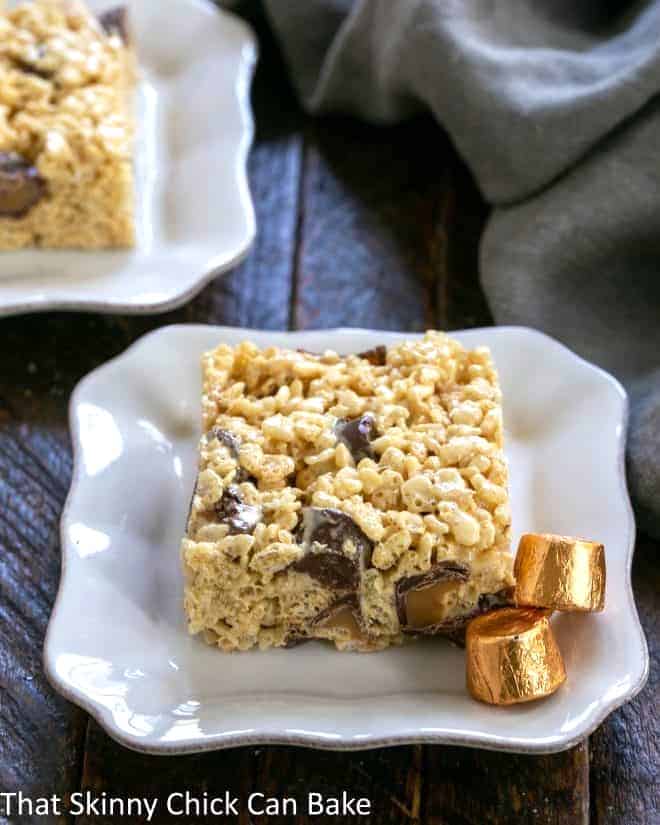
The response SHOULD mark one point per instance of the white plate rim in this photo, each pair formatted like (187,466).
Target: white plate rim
(216,265)
(512,744)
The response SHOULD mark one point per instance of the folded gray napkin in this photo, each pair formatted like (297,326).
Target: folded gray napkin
(555,108)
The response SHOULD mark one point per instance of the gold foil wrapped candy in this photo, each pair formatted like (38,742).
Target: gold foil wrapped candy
(560,573)
(512,656)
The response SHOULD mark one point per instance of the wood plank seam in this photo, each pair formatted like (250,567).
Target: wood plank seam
(298,235)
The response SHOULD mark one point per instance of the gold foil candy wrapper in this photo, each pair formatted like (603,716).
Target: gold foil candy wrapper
(512,656)
(560,573)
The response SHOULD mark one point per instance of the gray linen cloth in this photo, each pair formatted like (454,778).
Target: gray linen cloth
(554,106)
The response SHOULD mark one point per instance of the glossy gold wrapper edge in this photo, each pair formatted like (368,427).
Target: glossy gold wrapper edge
(560,573)
(512,656)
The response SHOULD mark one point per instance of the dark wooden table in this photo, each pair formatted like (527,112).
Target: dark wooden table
(358,227)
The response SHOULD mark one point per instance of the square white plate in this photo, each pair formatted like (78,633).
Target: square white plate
(194,213)
(117,643)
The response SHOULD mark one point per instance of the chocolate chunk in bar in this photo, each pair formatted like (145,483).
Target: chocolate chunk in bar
(376,356)
(233,444)
(420,598)
(20,185)
(115,21)
(31,66)
(356,434)
(326,534)
(493,601)
(231,441)
(343,614)
(233,511)
(295,640)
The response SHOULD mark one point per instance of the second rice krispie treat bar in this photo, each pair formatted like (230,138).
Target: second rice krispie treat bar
(360,499)
(66,132)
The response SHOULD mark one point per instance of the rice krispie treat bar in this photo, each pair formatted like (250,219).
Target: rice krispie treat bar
(360,499)
(66,131)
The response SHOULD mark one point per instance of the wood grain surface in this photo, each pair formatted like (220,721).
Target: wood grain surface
(358,226)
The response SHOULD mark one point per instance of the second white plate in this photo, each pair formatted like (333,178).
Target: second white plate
(194,213)
(130,662)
